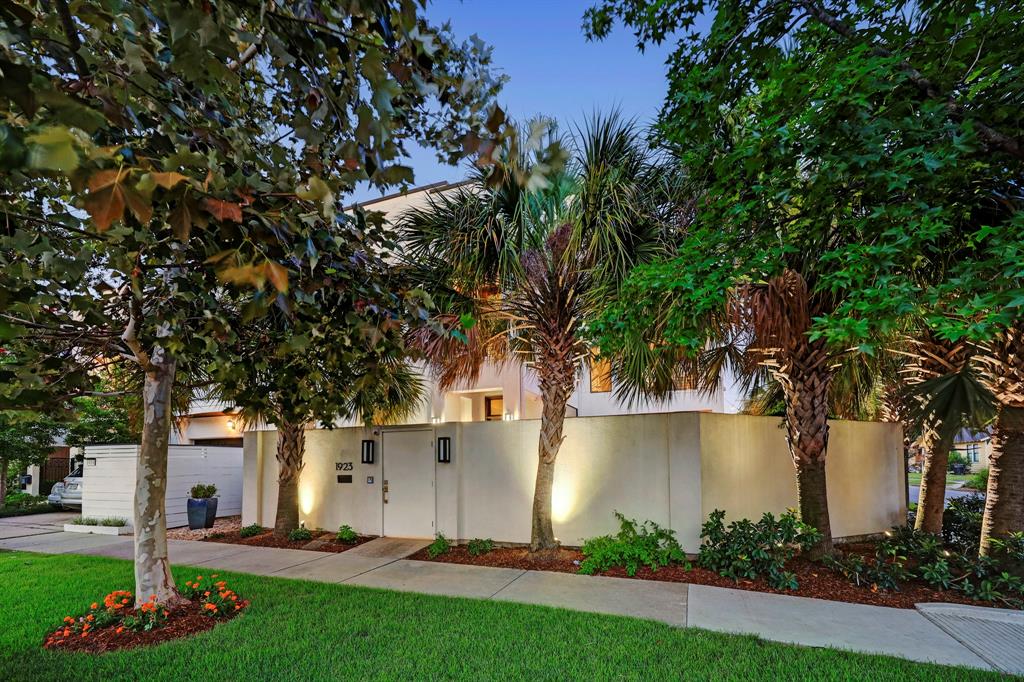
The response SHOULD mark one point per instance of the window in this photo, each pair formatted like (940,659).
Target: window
(600,374)
(494,408)
(972,452)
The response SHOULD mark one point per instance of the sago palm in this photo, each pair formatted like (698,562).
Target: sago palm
(518,267)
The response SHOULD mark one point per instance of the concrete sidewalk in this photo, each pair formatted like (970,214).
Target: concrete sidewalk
(945,636)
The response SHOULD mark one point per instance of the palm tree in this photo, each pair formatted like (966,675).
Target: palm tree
(1002,361)
(334,349)
(327,379)
(936,376)
(524,263)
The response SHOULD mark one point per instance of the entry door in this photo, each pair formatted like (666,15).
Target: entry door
(407,461)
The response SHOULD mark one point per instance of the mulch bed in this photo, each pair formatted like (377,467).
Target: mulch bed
(183,621)
(815,580)
(323,542)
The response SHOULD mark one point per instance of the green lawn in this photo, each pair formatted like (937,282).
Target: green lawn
(915,478)
(296,630)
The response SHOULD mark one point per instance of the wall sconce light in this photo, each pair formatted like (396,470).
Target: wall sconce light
(435,420)
(507,417)
(367,457)
(231,425)
(444,450)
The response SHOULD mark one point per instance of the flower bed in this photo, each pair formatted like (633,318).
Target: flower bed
(117,624)
(900,570)
(320,541)
(814,580)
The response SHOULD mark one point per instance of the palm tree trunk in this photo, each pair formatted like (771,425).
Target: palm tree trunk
(1004,497)
(931,500)
(152,569)
(291,443)
(555,398)
(806,378)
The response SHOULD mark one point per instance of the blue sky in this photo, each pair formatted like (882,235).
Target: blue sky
(552,69)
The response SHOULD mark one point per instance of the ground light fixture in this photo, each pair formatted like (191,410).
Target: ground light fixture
(444,450)
(367,452)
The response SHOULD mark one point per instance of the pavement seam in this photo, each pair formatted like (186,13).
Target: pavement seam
(505,586)
(686,607)
(952,633)
(31,535)
(301,563)
(370,570)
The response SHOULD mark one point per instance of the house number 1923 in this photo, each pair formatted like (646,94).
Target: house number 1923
(343,466)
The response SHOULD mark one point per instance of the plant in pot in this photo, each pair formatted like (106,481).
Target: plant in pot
(202,506)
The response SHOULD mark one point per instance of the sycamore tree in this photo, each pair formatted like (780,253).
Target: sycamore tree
(834,148)
(297,367)
(164,162)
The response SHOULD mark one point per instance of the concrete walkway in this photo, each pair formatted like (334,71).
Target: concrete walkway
(983,638)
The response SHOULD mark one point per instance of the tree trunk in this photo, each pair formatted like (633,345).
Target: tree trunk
(806,378)
(291,443)
(931,501)
(152,569)
(3,481)
(1004,498)
(555,398)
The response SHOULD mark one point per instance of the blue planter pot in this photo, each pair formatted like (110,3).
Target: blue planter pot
(201,513)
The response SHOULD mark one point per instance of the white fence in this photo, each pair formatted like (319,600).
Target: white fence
(108,484)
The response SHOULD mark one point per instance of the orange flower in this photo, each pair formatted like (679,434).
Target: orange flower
(120,629)
(210,607)
(214,575)
(90,618)
(69,619)
(199,577)
(94,606)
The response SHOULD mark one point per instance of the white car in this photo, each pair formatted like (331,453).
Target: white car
(68,493)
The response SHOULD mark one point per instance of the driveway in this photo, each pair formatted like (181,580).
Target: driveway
(33,524)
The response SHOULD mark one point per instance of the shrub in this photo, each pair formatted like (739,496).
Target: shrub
(439,546)
(476,546)
(21,500)
(982,578)
(635,545)
(250,531)
(1010,551)
(961,523)
(203,491)
(755,550)
(978,480)
(300,533)
(885,571)
(111,521)
(347,535)
(956,457)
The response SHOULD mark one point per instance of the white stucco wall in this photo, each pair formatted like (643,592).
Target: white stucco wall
(670,468)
